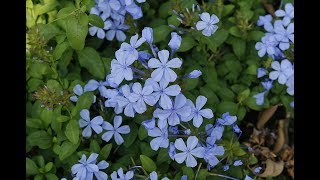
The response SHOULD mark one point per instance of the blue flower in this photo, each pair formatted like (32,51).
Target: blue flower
(142,96)
(120,67)
(187,131)
(184,177)
(174,129)
(149,124)
(194,74)
(248,178)
(153,175)
(264,20)
(107,7)
(290,85)
(120,176)
(188,151)
(85,121)
(267,45)
(207,24)
(147,33)
(115,130)
(78,90)
(236,129)
(211,151)
(93,85)
(226,119)
(257,170)
(161,136)
(261,72)
(163,66)
(162,92)
(287,13)
(172,150)
(134,44)
(175,41)
(282,71)
(101,34)
(134,10)
(284,36)
(87,168)
(225,167)
(116,29)
(267,85)
(237,163)
(197,113)
(178,112)
(214,131)
(292,104)
(260,98)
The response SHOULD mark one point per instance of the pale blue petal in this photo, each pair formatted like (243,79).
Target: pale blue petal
(180,157)
(78,89)
(173,119)
(157,74)
(84,113)
(110,35)
(197,120)
(120,36)
(180,145)
(107,126)
(155,143)
(192,142)
(163,56)
(172,90)
(165,101)
(191,161)
(198,152)
(124,129)
(118,138)
(174,63)
(74,98)
(107,136)
(154,63)
(205,17)
(91,86)
(83,123)
(103,164)
(87,132)
(92,159)
(117,121)
(100,175)
(207,113)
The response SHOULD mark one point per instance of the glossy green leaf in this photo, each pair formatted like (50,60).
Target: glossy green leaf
(147,163)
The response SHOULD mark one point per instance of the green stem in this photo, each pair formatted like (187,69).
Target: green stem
(220,175)
(195,177)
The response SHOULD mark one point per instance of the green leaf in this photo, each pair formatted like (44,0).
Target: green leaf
(238,151)
(48,31)
(235,31)
(227,9)
(160,33)
(67,149)
(173,20)
(48,5)
(77,30)
(63,14)
(105,151)
(255,35)
(47,116)
(225,94)
(163,156)
(241,113)
(34,123)
(243,95)
(96,21)
(143,133)
(50,176)
(38,177)
(251,103)
(203,173)
(72,131)
(188,171)
(163,9)
(41,139)
(31,167)
(186,44)
(90,59)
(147,163)
(130,138)
(239,47)
(215,40)
(227,106)
(60,49)
(63,118)
(94,146)
(252,70)
(146,150)
(84,102)
(48,167)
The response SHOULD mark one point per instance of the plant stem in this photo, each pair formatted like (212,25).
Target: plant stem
(220,175)
(195,177)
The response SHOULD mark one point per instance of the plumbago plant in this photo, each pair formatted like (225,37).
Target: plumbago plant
(135,89)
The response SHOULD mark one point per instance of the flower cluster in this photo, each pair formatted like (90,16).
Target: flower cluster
(277,42)
(113,13)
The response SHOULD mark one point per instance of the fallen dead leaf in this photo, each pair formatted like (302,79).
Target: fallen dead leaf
(265,116)
(272,168)
(281,137)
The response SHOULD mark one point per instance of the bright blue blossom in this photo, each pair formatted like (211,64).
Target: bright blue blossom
(267,45)
(292,104)
(174,129)
(282,71)
(119,175)
(87,168)
(142,96)
(260,98)
(237,163)
(115,130)
(226,119)
(116,30)
(225,167)
(267,85)
(101,34)
(287,13)
(161,136)
(163,67)
(78,90)
(264,20)
(153,175)
(188,151)
(172,150)
(214,131)
(162,92)
(93,85)
(290,85)
(131,48)
(248,178)
(207,24)
(236,129)
(194,74)
(261,72)
(120,67)
(184,177)
(284,36)
(197,113)
(147,33)
(211,151)
(257,170)
(178,112)
(175,41)
(187,132)
(95,123)
(149,124)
